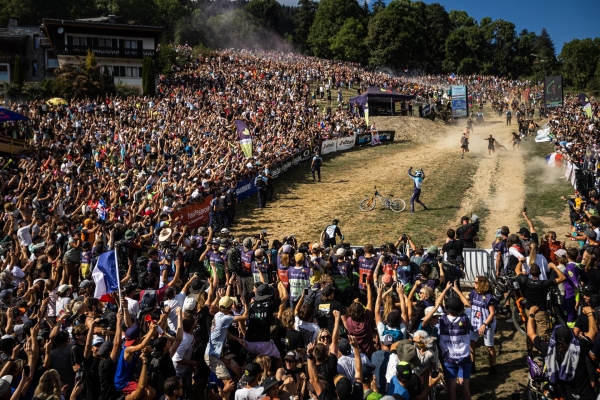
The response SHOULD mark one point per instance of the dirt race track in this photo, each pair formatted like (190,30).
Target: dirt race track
(494,189)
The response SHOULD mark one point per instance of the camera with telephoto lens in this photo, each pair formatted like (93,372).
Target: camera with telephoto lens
(303,249)
(404,237)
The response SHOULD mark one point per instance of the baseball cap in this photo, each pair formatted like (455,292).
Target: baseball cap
(286,248)
(250,373)
(5,382)
(403,369)
(224,231)
(560,253)
(327,290)
(85,284)
(226,302)
(63,288)
(344,346)
(291,356)
(247,243)
(189,304)
(432,249)
(131,335)
(268,383)
(367,371)
(316,246)
(299,257)
(387,340)
(564,334)
(524,232)
(5,294)
(590,233)
(404,257)
(341,252)
(575,216)
(437,312)
(105,349)
(97,340)
(387,279)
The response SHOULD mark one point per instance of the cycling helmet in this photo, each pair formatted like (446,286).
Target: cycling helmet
(418,173)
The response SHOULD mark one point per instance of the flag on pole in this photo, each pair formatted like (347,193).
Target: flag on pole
(554,159)
(367,113)
(588,110)
(106,276)
(245,138)
(583,99)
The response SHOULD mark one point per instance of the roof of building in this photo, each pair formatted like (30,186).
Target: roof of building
(100,22)
(6,35)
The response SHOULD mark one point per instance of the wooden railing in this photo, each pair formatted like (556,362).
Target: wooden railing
(12,146)
(72,50)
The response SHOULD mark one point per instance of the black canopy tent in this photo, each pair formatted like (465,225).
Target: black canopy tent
(378,99)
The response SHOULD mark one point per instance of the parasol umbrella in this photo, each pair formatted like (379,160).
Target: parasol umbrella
(57,101)
(7,115)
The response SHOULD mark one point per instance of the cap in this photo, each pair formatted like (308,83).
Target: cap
(263,292)
(226,302)
(432,249)
(189,304)
(452,255)
(454,305)
(341,252)
(251,372)
(224,231)
(387,279)
(291,356)
(590,233)
(247,243)
(286,249)
(437,312)
(299,257)
(403,257)
(403,369)
(564,334)
(5,382)
(105,349)
(344,346)
(129,234)
(5,294)
(387,340)
(85,284)
(131,335)
(524,232)
(574,216)
(97,340)
(269,382)
(367,371)
(63,288)
(560,253)
(327,290)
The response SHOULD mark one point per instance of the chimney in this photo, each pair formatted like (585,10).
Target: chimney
(13,21)
(111,19)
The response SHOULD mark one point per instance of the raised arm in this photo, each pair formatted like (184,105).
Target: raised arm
(117,342)
(357,360)
(529,223)
(312,369)
(369,297)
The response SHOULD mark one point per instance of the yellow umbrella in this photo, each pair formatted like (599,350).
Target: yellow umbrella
(57,101)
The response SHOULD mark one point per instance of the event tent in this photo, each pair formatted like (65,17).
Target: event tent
(377,96)
(7,115)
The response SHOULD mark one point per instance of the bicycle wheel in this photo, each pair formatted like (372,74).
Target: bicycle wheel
(397,205)
(367,204)
(518,321)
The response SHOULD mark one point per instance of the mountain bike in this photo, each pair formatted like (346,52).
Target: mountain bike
(508,284)
(396,205)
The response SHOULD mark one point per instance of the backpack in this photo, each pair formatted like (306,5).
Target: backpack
(396,334)
(234,259)
(156,377)
(318,161)
(149,294)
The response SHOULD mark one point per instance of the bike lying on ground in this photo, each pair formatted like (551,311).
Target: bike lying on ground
(396,205)
(507,284)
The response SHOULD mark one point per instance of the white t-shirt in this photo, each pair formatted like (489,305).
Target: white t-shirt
(24,235)
(541,262)
(184,352)
(175,302)
(309,330)
(61,305)
(133,307)
(254,393)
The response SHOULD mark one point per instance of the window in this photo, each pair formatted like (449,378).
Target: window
(105,42)
(106,68)
(132,72)
(131,44)
(4,74)
(119,71)
(34,68)
(79,41)
(36,41)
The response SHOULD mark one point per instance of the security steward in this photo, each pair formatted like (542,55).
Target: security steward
(261,185)
(315,166)
(328,235)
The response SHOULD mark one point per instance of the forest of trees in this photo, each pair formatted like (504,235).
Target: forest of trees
(404,34)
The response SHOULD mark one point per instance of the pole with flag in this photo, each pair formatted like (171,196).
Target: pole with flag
(245,138)
(106,277)
(366,110)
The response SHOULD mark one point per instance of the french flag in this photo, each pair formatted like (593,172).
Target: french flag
(106,276)
(554,160)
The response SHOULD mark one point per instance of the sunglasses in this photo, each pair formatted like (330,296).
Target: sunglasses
(325,337)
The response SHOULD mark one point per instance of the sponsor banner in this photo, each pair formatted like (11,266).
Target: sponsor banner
(426,109)
(244,189)
(278,169)
(328,146)
(553,91)
(194,215)
(363,138)
(345,143)
(386,136)
(459,101)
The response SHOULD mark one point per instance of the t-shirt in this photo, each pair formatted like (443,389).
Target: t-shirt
(92,378)
(535,290)
(173,303)
(60,360)
(192,261)
(218,334)
(380,360)
(259,320)
(363,331)
(579,387)
(325,317)
(184,352)
(456,245)
(254,393)
(309,330)
(328,369)
(106,371)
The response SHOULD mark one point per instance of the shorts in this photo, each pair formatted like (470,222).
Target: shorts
(217,366)
(264,348)
(98,164)
(542,323)
(488,336)
(465,146)
(130,387)
(461,370)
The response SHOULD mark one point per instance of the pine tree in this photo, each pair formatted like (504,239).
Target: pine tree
(148,77)
(18,75)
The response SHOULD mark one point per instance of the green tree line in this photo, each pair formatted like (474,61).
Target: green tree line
(402,34)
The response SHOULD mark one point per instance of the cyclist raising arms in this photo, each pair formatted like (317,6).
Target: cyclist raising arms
(418,178)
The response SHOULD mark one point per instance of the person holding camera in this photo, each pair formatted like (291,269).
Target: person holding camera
(467,232)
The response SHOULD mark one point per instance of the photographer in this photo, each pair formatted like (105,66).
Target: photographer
(452,268)
(467,232)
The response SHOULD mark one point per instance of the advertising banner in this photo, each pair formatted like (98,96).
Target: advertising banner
(459,102)
(345,143)
(363,138)
(194,215)
(244,189)
(386,136)
(328,146)
(553,91)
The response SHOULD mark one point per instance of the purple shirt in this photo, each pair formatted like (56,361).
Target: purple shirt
(574,276)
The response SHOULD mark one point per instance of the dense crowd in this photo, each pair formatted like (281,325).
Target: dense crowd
(202,314)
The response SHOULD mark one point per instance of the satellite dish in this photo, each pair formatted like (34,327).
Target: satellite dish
(60,30)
